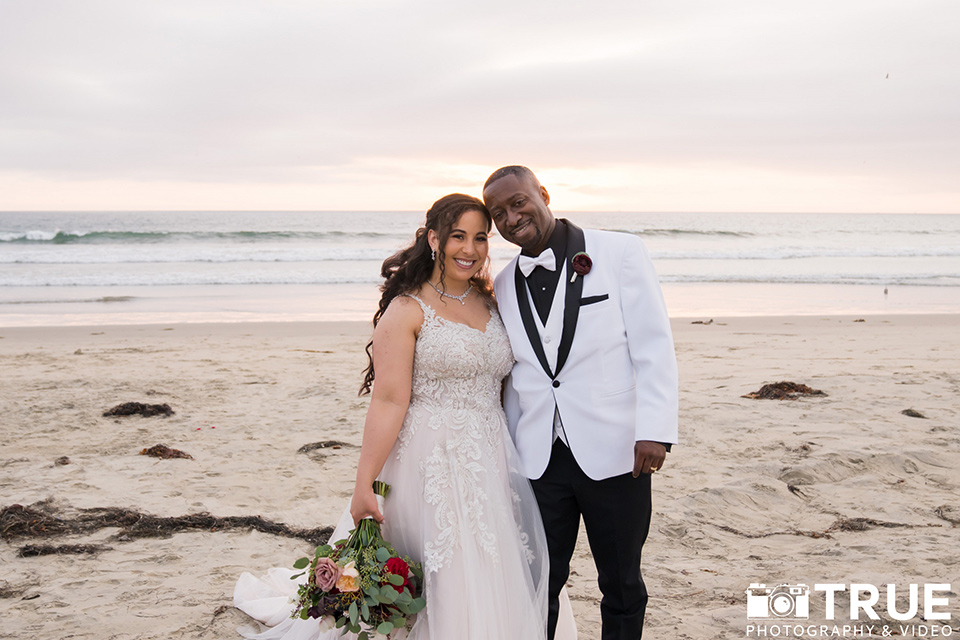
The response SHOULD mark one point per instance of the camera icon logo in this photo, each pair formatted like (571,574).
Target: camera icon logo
(781,601)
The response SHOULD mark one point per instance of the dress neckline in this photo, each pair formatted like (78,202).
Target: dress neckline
(482,332)
(433,313)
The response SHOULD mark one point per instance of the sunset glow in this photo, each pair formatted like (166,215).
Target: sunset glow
(651,106)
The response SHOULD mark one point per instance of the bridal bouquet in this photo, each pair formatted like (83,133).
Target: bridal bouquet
(360,583)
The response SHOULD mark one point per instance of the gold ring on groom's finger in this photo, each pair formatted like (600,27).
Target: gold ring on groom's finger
(653,469)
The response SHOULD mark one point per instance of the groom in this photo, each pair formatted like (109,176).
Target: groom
(592,400)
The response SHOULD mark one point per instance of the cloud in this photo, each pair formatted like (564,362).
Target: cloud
(297,93)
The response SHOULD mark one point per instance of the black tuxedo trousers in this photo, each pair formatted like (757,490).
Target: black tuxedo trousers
(616,515)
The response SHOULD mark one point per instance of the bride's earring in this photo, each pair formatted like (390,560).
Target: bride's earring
(433,254)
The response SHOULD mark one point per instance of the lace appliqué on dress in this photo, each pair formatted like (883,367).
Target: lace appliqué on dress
(455,396)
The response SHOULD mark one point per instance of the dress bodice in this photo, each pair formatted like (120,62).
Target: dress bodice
(454,430)
(457,366)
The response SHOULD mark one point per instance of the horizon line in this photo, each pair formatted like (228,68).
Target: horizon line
(555,211)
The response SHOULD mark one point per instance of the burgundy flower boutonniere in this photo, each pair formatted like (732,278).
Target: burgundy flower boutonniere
(582,264)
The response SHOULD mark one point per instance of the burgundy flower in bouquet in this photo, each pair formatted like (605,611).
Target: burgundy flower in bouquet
(397,567)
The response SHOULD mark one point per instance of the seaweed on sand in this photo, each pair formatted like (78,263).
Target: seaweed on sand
(139,408)
(41,520)
(164,452)
(783,391)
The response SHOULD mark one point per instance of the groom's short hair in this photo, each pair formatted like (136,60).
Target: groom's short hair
(517,170)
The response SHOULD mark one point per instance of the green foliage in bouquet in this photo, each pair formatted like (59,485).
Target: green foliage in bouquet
(360,584)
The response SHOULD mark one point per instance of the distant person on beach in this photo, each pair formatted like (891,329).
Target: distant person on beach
(436,432)
(592,400)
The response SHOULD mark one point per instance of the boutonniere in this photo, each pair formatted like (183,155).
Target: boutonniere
(582,264)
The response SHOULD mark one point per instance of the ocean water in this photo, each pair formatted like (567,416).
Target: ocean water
(144,267)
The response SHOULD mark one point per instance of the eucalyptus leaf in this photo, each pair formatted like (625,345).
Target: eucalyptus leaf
(301,563)
(393,578)
(365,611)
(304,614)
(363,636)
(388,596)
(373,591)
(383,554)
(418,604)
(354,612)
(341,621)
(385,627)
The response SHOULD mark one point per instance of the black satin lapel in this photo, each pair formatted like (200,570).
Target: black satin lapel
(528,323)
(571,303)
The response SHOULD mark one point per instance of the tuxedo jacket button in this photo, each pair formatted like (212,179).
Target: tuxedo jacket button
(556,383)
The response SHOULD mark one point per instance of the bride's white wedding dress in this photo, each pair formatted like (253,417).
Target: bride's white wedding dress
(458,503)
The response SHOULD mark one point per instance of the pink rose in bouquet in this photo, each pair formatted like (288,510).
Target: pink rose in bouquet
(326,574)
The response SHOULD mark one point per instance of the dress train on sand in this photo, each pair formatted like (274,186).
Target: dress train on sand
(458,503)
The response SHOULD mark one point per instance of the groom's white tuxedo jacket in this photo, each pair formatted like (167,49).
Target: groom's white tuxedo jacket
(604,360)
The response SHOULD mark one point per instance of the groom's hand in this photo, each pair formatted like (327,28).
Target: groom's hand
(648,457)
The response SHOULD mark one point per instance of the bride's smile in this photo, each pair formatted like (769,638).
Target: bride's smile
(463,254)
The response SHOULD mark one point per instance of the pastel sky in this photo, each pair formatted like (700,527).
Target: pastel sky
(637,105)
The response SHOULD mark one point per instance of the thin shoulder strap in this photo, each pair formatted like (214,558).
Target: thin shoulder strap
(428,311)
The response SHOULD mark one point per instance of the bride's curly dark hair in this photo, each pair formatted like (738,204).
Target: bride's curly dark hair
(407,270)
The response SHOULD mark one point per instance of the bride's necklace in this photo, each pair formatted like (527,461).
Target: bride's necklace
(459,298)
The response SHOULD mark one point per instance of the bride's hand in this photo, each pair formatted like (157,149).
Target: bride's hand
(364,504)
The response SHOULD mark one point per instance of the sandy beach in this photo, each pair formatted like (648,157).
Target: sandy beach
(842,488)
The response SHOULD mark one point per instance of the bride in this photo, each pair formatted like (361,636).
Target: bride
(435,431)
